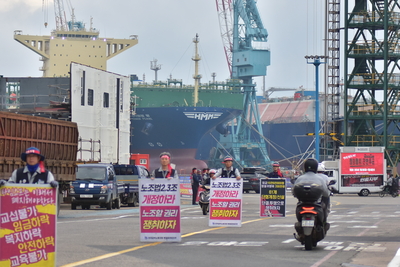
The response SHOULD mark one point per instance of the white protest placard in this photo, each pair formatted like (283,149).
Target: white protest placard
(160,218)
(226,202)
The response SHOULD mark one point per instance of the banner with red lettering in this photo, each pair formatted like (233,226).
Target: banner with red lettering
(28,218)
(362,163)
(160,218)
(226,202)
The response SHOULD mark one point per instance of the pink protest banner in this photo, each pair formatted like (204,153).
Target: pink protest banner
(28,225)
(160,217)
(226,202)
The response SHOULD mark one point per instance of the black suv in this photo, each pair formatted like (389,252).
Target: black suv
(251,178)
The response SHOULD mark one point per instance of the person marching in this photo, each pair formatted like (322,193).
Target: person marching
(165,171)
(276,171)
(34,172)
(228,171)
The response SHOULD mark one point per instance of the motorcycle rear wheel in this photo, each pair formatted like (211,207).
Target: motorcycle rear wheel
(205,209)
(308,244)
(381,194)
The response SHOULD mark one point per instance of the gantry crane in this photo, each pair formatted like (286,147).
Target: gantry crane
(245,61)
(372,55)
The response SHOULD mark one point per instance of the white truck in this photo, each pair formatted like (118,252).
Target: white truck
(360,170)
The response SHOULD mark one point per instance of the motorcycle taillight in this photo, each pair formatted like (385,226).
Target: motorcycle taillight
(308,210)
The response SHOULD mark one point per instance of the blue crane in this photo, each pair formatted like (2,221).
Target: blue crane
(248,57)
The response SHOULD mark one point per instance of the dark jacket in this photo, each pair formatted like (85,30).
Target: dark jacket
(274,175)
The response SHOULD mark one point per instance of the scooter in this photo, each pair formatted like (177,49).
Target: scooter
(204,199)
(310,213)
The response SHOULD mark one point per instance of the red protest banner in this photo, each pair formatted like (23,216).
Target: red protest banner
(362,163)
(28,225)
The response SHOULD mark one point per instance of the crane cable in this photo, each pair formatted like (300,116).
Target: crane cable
(45,10)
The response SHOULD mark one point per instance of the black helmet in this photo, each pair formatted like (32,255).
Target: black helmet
(311,165)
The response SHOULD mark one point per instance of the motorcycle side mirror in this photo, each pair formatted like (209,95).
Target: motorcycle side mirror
(332,182)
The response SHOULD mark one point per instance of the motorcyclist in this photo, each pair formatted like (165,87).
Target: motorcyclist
(311,177)
(211,175)
(228,171)
(390,184)
(34,172)
(321,173)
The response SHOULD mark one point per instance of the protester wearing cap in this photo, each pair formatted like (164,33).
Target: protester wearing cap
(276,171)
(166,170)
(228,171)
(34,172)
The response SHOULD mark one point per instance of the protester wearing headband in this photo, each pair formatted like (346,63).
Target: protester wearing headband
(166,170)
(276,171)
(228,171)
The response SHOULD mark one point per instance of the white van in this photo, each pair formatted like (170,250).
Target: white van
(359,185)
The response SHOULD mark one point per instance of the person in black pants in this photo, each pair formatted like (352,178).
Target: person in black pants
(196,177)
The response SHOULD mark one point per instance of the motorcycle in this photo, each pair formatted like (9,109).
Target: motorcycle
(310,213)
(204,199)
(386,190)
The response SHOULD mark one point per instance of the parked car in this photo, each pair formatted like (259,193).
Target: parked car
(251,178)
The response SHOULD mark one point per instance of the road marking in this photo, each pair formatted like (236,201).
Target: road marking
(186,218)
(288,241)
(318,263)
(109,255)
(226,243)
(352,212)
(363,226)
(99,219)
(395,262)
(366,230)
(282,225)
(348,222)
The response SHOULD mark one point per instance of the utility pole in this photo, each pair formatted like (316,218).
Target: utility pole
(316,61)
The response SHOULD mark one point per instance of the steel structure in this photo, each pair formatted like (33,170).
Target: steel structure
(224,9)
(61,17)
(332,118)
(250,58)
(373,73)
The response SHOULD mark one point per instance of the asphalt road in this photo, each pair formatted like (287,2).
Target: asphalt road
(365,231)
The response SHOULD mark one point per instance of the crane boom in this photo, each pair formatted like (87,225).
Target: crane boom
(61,18)
(224,9)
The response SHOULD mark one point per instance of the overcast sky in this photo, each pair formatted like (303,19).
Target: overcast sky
(165,30)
